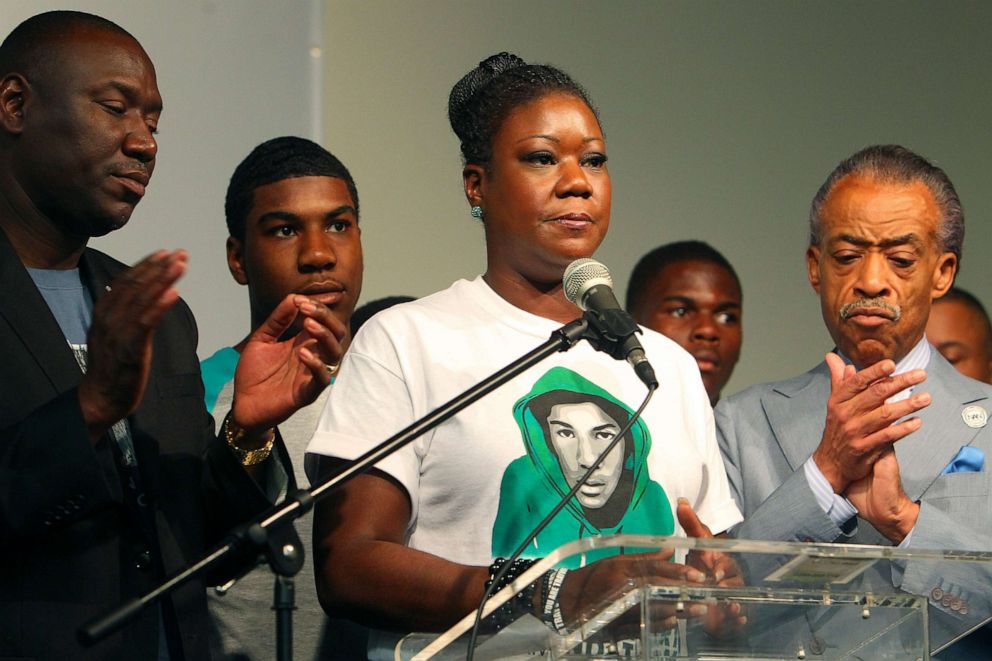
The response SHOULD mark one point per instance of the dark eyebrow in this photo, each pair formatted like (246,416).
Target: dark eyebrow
(559,422)
(340,210)
(678,299)
(130,93)
(727,305)
(900,240)
(278,214)
(911,239)
(606,425)
(551,138)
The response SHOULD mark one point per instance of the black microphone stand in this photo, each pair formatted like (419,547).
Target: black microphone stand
(272,534)
(283,551)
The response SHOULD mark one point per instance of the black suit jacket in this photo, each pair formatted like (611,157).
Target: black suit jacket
(70,547)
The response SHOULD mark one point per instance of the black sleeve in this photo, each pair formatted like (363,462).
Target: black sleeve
(50,473)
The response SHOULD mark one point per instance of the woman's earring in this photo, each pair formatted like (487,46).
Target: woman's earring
(477,212)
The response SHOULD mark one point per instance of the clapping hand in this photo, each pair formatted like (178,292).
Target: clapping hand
(278,375)
(859,426)
(881,500)
(119,342)
(856,452)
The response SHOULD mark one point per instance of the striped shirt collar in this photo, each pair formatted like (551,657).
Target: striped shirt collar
(917,358)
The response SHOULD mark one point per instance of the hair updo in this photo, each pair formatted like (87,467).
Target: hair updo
(482,99)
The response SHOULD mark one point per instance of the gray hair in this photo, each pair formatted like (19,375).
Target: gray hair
(896,164)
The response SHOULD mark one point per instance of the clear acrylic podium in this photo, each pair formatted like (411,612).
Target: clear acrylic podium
(801,601)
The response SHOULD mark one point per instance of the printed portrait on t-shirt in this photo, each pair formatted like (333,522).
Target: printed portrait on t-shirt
(566,422)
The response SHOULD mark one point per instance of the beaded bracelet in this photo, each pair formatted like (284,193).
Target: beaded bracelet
(520,603)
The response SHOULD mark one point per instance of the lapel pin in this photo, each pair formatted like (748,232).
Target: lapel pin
(975,416)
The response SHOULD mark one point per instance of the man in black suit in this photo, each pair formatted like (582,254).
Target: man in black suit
(110,473)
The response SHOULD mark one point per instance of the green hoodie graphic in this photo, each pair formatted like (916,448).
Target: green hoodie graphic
(565,421)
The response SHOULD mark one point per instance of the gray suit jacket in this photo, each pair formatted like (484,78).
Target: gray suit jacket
(768,431)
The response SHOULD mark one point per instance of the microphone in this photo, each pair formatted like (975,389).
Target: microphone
(588,285)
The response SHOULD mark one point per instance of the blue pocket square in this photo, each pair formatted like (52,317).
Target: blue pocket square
(967,460)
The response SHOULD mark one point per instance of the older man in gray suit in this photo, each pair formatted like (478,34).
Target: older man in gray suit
(883,442)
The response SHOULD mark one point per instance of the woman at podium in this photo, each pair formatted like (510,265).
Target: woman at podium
(409,546)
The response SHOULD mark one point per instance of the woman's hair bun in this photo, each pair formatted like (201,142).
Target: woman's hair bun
(481,100)
(488,70)
(496,64)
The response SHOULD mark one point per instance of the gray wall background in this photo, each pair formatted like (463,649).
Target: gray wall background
(232,73)
(722,120)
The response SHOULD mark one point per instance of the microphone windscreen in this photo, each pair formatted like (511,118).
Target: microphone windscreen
(581,276)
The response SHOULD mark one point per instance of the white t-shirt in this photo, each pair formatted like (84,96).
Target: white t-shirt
(411,358)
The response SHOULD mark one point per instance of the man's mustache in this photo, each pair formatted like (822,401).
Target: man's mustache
(128,167)
(874,304)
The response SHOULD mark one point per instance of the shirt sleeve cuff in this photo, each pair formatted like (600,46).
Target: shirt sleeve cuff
(837,507)
(904,544)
